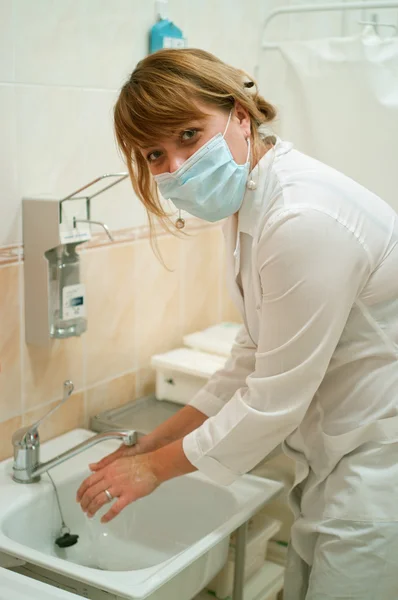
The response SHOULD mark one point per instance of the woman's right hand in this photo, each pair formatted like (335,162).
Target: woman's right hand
(144,445)
(176,427)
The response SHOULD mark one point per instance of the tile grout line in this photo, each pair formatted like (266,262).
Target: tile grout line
(14,37)
(21,340)
(19,248)
(135,339)
(82,390)
(60,86)
(85,353)
(13,253)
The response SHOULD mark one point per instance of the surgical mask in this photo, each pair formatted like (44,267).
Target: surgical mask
(210,184)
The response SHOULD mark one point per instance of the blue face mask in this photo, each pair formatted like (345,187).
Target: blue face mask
(210,184)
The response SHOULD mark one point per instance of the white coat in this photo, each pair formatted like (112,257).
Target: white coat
(313,268)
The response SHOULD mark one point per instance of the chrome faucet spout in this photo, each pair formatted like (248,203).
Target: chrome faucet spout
(127,437)
(27,467)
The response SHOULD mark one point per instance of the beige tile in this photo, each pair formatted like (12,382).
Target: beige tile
(67,417)
(145,382)
(46,369)
(7,429)
(158,299)
(111,291)
(202,278)
(111,394)
(10,359)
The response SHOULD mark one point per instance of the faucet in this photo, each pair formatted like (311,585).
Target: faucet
(27,467)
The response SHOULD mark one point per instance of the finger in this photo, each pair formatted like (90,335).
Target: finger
(92,480)
(91,493)
(107,460)
(116,508)
(99,501)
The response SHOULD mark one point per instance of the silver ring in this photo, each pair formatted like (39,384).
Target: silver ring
(108,495)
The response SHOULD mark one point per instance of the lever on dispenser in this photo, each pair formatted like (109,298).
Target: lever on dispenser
(55,305)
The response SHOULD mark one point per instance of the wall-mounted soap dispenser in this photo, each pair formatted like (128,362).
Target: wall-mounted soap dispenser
(165,34)
(55,305)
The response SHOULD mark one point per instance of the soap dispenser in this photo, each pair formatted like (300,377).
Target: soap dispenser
(67,305)
(165,34)
(55,303)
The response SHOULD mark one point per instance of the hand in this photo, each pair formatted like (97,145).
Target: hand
(142,446)
(127,478)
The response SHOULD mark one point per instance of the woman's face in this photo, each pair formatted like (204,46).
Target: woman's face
(166,156)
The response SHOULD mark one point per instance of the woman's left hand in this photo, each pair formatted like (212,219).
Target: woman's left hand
(126,479)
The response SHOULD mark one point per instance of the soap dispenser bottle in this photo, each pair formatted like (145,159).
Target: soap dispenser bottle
(165,34)
(67,305)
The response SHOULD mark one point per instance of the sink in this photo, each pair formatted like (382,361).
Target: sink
(168,544)
(147,533)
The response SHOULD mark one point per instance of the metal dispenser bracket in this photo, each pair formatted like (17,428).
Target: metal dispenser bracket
(48,223)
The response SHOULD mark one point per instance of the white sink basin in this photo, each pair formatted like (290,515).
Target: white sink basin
(18,587)
(167,545)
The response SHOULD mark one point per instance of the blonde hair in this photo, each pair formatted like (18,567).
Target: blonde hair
(160,96)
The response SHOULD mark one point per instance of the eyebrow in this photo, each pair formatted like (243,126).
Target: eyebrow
(196,123)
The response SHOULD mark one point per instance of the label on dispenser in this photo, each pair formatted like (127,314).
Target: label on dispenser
(73,302)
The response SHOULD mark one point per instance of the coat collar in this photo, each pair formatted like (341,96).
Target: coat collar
(256,197)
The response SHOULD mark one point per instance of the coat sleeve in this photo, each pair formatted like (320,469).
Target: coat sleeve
(224,383)
(312,269)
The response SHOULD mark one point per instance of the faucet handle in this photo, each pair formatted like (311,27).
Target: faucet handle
(68,389)
(28,436)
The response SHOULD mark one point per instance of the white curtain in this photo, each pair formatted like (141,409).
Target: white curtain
(338,102)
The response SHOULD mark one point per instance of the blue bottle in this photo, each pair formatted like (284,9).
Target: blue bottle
(164,34)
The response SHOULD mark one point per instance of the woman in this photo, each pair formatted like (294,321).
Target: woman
(313,263)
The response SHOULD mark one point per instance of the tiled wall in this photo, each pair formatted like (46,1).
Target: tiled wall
(135,308)
(61,64)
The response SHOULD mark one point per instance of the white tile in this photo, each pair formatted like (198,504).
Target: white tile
(119,207)
(115,39)
(99,151)
(6,41)
(228,29)
(10,218)
(48,45)
(350,21)
(306,25)
(279,28)
(50,144)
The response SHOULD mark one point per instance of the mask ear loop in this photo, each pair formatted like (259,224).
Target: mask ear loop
(228,122)
(247,139)
(251,184)
(248,148)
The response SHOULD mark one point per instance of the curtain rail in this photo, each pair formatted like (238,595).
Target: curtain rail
(309,8)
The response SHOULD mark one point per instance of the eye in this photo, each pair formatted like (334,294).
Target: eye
(154,155)
(188,134)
